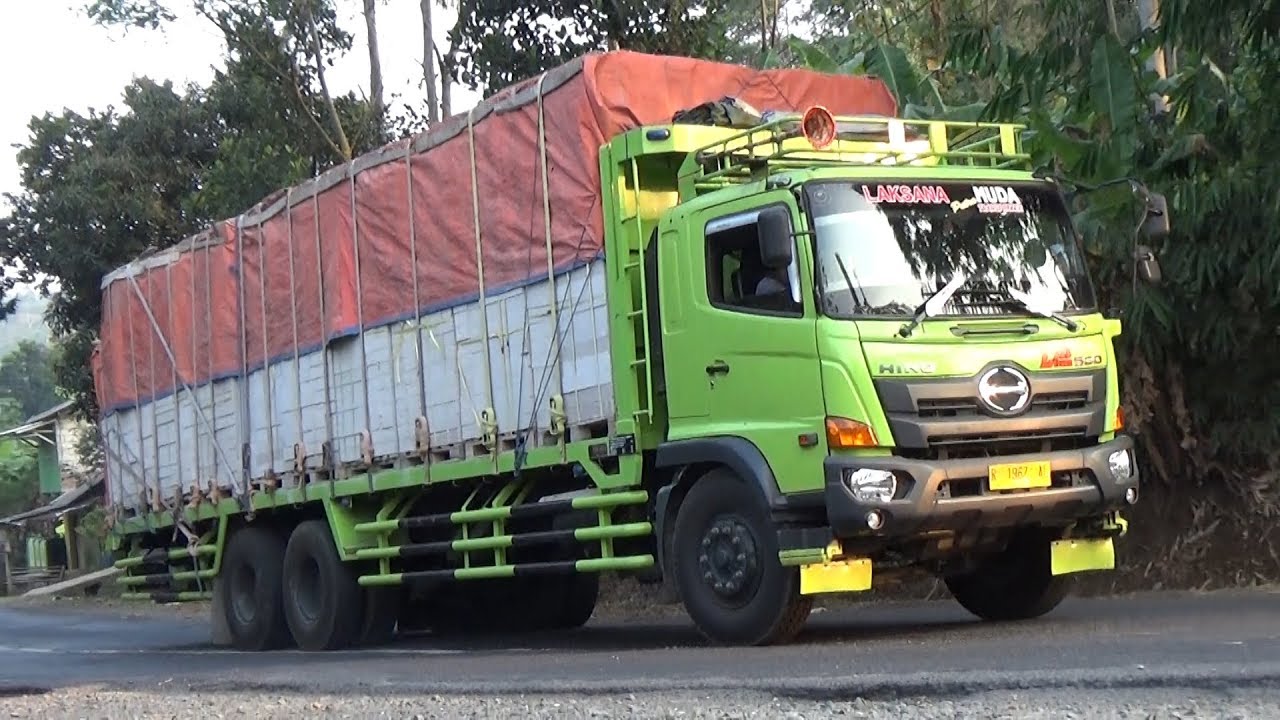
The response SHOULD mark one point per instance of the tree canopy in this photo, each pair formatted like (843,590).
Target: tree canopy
(26,377)
(102,187)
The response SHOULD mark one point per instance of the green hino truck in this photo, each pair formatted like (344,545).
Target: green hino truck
(755,355)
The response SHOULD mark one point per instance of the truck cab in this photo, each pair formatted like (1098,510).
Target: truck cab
(866,345)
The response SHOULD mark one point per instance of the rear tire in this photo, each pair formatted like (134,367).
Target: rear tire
(1015,584)
(381,611)
(581,591)
(725,561)
(323,601)
(254,607)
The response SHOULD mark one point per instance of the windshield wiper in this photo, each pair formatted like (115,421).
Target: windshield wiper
(853,294)
(933,304)
(1037,308)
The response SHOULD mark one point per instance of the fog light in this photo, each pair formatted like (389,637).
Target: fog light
(1120,464)
(872,486)
(1131,496)
(875,520)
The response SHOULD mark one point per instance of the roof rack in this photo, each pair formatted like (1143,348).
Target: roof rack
(818,139)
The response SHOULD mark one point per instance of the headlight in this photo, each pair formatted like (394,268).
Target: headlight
(871,486)
(1120,464)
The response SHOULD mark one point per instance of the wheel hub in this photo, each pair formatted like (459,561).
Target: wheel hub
(728,560)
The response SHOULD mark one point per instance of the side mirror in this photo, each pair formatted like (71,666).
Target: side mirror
(1148,266)
(1156,226)
(774,229)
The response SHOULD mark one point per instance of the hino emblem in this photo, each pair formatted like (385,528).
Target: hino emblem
(1005,390)
(920,368)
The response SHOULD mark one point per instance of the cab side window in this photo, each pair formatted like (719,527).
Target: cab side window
(737,278)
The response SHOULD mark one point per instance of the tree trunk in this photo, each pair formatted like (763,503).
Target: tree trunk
(344,145)
(446,82)
(1112,24)
(429,64)
(375,62)
(1148,16)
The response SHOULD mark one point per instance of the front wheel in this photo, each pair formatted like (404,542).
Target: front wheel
(725,558)
(1014,584)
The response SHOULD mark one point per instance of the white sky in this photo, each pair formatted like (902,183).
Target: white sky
(96,63)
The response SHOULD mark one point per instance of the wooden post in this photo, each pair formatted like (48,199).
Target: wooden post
(6,545)
(73,545)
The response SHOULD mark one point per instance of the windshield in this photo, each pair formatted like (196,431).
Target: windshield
(882,249)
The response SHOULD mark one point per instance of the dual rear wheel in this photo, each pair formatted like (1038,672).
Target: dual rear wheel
(293,588)
(283,589)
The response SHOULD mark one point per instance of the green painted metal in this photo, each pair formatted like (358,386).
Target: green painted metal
(610,500)
(751,154)
(485,556)
(130,580)
(803,556)
(587,534)
(205,557)
(773,391)
(381,580)
(630,562)
(174,554)
(48,468)
(635,529)
(489,514)
(343,521)
(485,573)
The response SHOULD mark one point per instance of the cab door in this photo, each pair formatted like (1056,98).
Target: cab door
(743,361)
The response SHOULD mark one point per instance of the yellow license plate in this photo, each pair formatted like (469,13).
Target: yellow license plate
(1081,555)
(837,576)
(1019,476)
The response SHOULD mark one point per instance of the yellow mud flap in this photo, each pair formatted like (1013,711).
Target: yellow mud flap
(1081,555)
(851,575)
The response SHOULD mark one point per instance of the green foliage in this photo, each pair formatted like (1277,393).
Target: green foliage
(277,50)
(103,187)
(500,42)
(26,376)
(25,322)
(18,481)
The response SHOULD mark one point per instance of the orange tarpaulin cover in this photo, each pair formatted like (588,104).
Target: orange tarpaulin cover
(391,234)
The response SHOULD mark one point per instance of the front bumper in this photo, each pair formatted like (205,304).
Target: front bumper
(954,494)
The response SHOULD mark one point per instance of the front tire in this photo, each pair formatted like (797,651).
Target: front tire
(323,601)
(1015,584)
(725,561)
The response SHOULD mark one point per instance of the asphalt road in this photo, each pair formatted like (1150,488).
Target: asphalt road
(888,650)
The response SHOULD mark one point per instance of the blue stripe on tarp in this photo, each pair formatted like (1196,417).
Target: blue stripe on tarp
(351,331)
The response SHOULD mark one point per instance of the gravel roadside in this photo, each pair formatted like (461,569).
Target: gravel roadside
(1147,704)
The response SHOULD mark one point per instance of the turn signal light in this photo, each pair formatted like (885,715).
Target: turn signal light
(1120,417)
(819,127)
(846,433)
